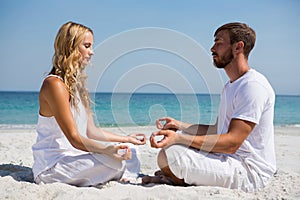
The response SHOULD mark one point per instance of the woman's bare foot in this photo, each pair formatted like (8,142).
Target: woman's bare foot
(125,180)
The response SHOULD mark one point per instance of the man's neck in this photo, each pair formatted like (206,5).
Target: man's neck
(236,69)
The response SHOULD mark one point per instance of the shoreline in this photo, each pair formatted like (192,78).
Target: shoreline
(16,181)
(21,127)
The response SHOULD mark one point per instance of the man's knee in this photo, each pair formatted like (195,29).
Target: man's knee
(166,171)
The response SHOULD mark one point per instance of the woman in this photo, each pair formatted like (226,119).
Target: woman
(66,150)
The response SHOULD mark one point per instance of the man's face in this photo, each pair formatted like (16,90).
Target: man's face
(221,50)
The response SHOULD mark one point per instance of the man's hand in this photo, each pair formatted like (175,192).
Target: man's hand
(170,124)
(169,138)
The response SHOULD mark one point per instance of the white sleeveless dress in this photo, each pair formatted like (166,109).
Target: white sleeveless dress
(56,160)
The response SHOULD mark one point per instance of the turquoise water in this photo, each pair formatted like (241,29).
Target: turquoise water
(20,109)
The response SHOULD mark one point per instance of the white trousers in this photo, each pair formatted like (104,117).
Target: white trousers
(90,169)
(202,168)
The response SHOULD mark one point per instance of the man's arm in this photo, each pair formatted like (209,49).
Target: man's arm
(222,143)
(192,129)
(201,129)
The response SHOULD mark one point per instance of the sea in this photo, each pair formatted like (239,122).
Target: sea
(19,110)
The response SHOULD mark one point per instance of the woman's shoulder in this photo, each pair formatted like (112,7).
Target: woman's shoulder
(53,96)
(53,84)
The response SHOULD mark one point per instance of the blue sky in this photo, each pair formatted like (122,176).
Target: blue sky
(28,29)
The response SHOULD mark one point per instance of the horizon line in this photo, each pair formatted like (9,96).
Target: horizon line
(108,92)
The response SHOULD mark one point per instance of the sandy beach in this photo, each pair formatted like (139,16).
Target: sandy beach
(16,176)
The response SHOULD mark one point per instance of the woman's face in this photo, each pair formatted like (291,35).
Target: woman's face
(86,48)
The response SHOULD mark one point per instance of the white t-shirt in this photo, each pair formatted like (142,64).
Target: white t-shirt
(251,98)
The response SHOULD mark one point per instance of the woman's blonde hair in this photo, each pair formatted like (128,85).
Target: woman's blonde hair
(67,61)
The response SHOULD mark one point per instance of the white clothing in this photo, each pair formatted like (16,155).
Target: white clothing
(249,98)
(52,144)
(198,167)
(56,160)
(83,170)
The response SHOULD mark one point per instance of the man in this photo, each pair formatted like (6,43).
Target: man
(238,151)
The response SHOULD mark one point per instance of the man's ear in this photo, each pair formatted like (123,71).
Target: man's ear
(239,47)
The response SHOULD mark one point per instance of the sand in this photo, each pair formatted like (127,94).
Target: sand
(16,176)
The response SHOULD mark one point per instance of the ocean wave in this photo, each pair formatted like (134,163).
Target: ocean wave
(17,126)
(33,126)
(288,125)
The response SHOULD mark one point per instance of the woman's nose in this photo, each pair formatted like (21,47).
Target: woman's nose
(92,52)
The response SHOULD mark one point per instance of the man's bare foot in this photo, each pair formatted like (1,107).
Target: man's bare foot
(158,173)
(152,179)
(157,179)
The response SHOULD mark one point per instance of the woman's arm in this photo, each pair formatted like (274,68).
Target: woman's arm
(96,133)
(54,101)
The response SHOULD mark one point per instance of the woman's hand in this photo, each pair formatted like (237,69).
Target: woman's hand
(119,152)
(137,139)
(169,138)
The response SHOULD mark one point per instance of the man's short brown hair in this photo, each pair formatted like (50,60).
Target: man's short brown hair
(240,32)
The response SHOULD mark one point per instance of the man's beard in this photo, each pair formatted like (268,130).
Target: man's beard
(224,61)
